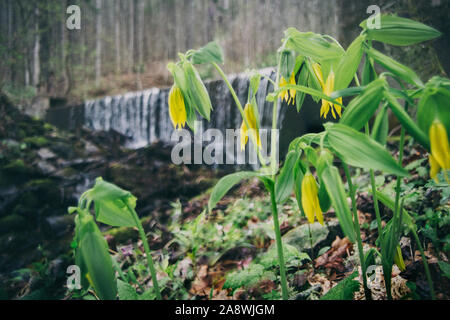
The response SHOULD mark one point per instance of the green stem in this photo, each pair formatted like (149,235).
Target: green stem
(241,110)
(151,266)
(276,224)
(273,142)
(357,229)
(425,264)
(375,197)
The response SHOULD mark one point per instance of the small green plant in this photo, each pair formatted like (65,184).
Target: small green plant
(115,207)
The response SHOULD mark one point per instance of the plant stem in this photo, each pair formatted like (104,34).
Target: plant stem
(425,264)
(357,229)
(374,194)
(151,266)
(273,142)
(276,224)
(241,110)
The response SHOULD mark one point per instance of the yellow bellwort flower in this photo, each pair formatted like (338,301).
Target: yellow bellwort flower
(288,95)
(310,199)
(252,122)
(327,88)
(177,107)
(440,149)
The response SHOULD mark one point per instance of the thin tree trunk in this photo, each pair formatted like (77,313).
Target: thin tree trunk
(131,37)
(36,49)
(117,35)
(98,50)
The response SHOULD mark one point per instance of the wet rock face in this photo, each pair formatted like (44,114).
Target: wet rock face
(143,116)
(43,171)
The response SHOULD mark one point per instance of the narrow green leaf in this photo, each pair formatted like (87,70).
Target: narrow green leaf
(361,151)
(335,188)
(96,259)
(312,45)
(285,180)
(402,71)
(400,31)
(381,126)
(406,121)
(226,183)
(111,204)
(197,91)
(349,63)
(361,109)
(302,81)
(368,74)
(210,53)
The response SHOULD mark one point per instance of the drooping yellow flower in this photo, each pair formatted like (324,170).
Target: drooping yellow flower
(288,95)
(249,114)
(310,199)
(440,149)
(177,108)
(327,88)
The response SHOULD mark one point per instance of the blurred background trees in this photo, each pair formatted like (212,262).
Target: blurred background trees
(125,45)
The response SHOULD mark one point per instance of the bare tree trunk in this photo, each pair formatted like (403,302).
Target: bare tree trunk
(63,42)
(98,50)
(141,11)
(36,49)
(117,34)
(131,37)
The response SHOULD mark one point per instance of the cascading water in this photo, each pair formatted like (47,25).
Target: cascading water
(144,117)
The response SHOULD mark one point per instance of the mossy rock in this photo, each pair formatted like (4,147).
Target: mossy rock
(42,184)
(36,141)
(18,166)
(13,222)
(29,201)
(123,235)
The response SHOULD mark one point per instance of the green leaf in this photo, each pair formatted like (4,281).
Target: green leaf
(210,53)
(406,121)
(433,104)
(287,63)
(324,198)
(115,212)
(361,151)
(226,183)
(198,94)
(445,268)
(400,31)
(368,74)
(388,202)
(312,45)
(400,70)
(299,173)
(361,109)
(111,204)
(381,126)
(96,260)
(285,180)
(349,63)
(335,188)
(344,290)
(347,92)
(126,291)
(302,81)
(255,79)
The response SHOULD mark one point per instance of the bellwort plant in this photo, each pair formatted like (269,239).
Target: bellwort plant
(317,65)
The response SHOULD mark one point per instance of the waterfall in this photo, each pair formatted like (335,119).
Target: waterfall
(144,116)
